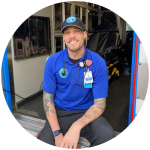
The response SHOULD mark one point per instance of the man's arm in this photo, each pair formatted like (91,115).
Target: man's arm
(51,115)
(92,113)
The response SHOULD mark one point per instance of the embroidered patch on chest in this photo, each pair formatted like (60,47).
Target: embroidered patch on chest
(63,73)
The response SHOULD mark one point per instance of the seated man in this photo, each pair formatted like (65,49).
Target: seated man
(75,90)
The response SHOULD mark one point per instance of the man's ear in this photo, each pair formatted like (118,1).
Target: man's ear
(85,35)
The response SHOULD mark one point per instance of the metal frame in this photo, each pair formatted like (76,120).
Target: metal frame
(63,11)
(52,22)
(99,7)
(56,31)
(81,13)
(58,35)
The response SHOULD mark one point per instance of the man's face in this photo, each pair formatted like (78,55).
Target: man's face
(74,38)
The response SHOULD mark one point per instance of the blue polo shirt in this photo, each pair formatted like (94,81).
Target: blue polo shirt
(67,95)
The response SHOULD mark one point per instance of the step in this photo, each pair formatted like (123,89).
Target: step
(26,112)
(30,123)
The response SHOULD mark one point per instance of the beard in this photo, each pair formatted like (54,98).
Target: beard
(76,48)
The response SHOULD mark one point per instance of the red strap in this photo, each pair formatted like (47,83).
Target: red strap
(78,147)
(134,81)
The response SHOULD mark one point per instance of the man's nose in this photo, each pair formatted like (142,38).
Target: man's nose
(72,35)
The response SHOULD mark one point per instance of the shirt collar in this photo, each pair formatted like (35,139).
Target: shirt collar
(65,57)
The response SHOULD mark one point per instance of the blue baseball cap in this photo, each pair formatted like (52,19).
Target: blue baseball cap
(73,21)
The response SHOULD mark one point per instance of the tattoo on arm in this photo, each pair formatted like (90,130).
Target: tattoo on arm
(48,102)
(100,103)
(94,111)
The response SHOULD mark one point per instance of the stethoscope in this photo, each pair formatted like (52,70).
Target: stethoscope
(81,64)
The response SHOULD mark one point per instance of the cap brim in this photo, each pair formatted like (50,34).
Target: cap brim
(71,26)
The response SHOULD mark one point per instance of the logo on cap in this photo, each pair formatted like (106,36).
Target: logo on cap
(71,19)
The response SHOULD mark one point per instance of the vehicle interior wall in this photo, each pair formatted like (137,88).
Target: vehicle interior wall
(28,72)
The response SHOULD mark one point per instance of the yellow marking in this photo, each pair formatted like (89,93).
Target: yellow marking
(109,77)
(80,5)
(110,65)
(114,69)
(117,72)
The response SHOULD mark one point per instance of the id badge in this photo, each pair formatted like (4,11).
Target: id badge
(88,77)
(88,80)
(87,85)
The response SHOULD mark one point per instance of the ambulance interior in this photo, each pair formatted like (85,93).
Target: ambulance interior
(39,36)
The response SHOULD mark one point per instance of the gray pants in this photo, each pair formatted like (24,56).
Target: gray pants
(96,132)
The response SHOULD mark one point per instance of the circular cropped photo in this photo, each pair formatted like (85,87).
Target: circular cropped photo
(75,74)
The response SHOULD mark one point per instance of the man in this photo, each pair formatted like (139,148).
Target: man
(75,90)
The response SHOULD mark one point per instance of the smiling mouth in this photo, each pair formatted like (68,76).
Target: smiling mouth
(73,42)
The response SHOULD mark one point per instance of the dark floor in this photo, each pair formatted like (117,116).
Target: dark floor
(117,107)
(117,104)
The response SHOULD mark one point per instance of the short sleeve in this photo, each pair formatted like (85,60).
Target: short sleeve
(49,84)
(100,78)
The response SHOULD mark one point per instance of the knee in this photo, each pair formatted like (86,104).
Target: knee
(104,130)
(107,133)
(103,134)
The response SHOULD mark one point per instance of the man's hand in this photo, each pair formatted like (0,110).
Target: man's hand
(71,138)
(58,140)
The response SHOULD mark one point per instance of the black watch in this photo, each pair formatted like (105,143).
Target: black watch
(57,132)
